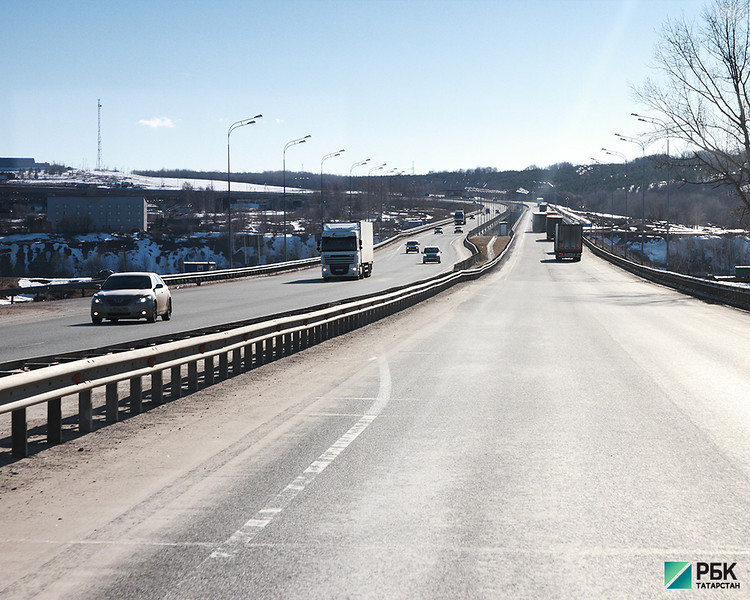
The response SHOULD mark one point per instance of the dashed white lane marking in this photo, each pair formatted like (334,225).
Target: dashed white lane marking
(275,507)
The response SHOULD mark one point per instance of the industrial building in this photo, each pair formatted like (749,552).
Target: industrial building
(97,213)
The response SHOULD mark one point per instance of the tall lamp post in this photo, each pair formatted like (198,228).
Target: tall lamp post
(665,127)
(370,172)
(389,174)
(596,161)
(625,158)
(325,158)
(642,145)
(232,127)
(288,145)
(354,166)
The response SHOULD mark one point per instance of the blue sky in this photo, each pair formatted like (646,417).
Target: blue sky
(429,85)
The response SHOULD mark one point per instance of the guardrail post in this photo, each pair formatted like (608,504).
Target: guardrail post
(175,382)
(208,370)
(157,387)
(54,421)
(85,412)
(112,403)
(19,433)
(236,361)
(193,376)
(258,353)
(269,349)
(136,395)
(296,341)
(247,357)
(223,365)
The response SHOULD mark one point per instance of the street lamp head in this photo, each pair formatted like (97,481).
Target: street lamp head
(257,116)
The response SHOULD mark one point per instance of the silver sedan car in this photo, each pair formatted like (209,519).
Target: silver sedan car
(137,295)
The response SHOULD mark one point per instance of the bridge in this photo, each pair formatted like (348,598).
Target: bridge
(544,429)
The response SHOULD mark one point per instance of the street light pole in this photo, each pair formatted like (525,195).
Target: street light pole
(354,166)
(368,187)
(232,127)
(664,126)
(642,145)
(325,158)
(625,158)
(390,174)
(301,140)
(600,163)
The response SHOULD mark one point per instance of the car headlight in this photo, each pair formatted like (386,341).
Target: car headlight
(96,299)
(144,299)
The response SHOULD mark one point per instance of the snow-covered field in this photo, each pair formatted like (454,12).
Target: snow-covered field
(54,255)
(115,178)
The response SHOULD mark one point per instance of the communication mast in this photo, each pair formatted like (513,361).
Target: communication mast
(99,135)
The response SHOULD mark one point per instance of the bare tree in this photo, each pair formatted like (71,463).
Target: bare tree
(704,96)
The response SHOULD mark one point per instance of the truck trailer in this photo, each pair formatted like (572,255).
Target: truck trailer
(552,220)
(346,250)
(568,241)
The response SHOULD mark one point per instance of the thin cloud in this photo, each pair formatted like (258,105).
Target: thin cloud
(157,122)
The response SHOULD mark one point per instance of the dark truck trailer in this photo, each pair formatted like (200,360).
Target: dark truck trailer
(568,241)
(552,220)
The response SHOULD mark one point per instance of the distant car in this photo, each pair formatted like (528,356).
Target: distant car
(438,230)
(431,254)
(136,295)
(471,217)
(458,229)
(412,246)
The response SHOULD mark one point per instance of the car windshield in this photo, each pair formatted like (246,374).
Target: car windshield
(431,250)
(127,282)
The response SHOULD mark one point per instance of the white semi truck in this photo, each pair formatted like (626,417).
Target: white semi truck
(346,250)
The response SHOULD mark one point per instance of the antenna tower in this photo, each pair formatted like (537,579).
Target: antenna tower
(99,135)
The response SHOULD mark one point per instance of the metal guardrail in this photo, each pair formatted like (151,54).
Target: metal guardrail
(37,362)
(733,295)
(479,230)
(244,348)
(39,291)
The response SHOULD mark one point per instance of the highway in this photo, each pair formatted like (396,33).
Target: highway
(551,430)
(66,326)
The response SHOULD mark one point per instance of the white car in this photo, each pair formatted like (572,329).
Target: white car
(136,295)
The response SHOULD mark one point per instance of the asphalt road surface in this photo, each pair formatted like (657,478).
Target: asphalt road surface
(40,330)
(553,430)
